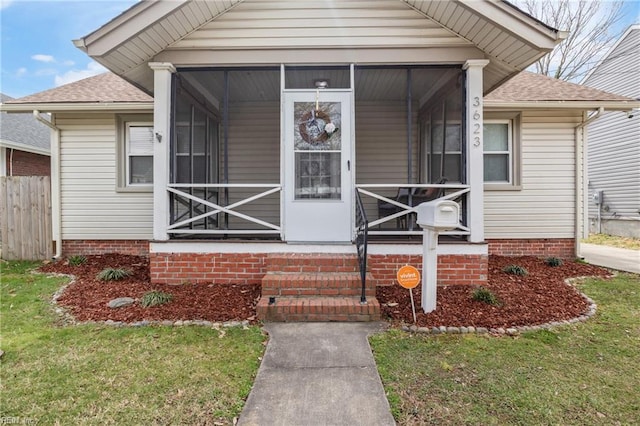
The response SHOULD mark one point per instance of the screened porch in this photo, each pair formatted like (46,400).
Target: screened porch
(227,177)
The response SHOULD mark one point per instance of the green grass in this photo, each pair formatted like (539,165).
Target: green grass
(102,375)
(575,375)
(613,241)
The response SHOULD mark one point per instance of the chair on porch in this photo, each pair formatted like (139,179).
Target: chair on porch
(411,197)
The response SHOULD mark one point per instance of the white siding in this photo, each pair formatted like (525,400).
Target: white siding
(381,147)
(254,157)
(320,24)
(91,207)
(544,207)
(614,139)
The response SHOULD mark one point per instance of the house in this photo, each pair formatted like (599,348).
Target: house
(277,129)
(614,143)
(24,144)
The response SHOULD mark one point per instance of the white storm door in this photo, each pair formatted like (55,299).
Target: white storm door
(317,166)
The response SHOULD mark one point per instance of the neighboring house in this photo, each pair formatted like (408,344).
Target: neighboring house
(24,144)
(270,120)
(614,143)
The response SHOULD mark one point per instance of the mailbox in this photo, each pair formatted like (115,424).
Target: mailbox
(441,215)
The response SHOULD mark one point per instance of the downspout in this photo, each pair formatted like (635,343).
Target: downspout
(581,173)
(56,207)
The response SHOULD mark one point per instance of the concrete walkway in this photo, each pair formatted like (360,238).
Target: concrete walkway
(318,374)
(611,257)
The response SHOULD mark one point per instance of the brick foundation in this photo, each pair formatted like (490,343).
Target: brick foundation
(558,247)
(452,269)
(177,268)
(84,247)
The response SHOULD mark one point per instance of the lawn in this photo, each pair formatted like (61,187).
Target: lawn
(613,241)
(90,374)
(574,375)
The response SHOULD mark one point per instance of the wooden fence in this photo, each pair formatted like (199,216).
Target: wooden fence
(25,217)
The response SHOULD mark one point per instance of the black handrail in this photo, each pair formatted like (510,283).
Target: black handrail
(362,233)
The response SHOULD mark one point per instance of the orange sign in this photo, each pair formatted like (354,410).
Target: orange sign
(408,276)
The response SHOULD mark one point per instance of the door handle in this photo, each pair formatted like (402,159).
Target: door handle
(349,165)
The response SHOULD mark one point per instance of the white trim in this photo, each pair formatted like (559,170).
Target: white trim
(475,149)
(162,76)
(509,152)
(608,105)
(24,147)
(78,106)
(279,247)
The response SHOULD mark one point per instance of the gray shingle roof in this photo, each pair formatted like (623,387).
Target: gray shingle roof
(106,88)
(532,87)
(23,129)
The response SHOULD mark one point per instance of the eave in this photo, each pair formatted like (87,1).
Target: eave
(577,105)
(24,147)
(78,106)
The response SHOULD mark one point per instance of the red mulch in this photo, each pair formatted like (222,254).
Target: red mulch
(86,299)
(540,297)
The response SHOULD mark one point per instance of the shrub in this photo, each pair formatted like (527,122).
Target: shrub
(553,261)
(154,297)
(483,294)
(113,274)
(515,270)
(77,260)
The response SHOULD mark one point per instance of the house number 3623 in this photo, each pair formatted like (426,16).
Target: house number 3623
(475,125)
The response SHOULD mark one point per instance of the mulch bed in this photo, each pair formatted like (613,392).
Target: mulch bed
(539,297)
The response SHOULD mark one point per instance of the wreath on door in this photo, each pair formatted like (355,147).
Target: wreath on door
(316,126)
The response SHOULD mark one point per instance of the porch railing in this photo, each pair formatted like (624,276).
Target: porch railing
(206,210)
(405,211)
(362,231)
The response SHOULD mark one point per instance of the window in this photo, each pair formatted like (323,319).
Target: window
(500,149)
(135,144)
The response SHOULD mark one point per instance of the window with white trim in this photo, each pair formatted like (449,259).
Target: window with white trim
(498,151)
(139,153)
(502,139)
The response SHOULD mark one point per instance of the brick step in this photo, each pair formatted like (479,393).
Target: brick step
(308,309)
(311,262)
(316,284)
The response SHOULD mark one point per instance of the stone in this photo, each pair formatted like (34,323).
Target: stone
(453,330)
(424,330)
(121,302)
(512,331)
(471,329)
(435,330)
(166,323)
(413,328)
(482,330)
(443,329)
(464,330)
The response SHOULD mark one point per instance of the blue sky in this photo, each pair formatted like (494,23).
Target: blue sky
(36,51)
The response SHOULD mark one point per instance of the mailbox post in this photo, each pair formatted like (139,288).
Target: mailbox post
(434,216)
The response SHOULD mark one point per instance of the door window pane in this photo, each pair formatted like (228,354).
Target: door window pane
(317,175)
(317,129)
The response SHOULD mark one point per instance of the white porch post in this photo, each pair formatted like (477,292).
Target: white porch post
(162,130)
(475,161)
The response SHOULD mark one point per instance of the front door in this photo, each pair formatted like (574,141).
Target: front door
(317,166)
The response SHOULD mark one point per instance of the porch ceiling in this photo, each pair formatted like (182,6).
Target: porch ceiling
(510,38)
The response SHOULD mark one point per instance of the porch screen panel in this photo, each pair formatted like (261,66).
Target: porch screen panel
(195,160)
(317,150)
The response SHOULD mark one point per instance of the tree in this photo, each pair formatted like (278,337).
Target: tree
(591,26)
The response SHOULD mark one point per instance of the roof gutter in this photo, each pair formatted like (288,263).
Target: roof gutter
(585,105)
(80,106)
(581,178)
(56,207)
